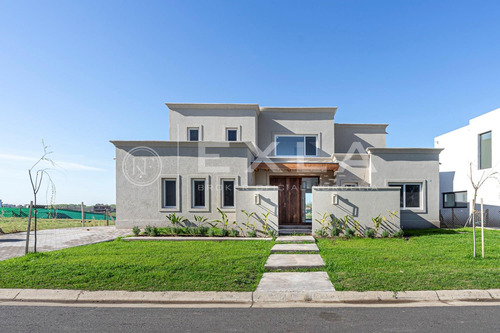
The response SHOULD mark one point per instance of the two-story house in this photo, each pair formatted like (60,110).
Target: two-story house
(471,150)
(296,164)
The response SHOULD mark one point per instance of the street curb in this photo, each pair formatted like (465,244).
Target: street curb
(261,297)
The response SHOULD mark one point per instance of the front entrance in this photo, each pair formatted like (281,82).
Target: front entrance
(294,198)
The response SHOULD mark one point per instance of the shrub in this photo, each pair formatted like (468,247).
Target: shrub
(136,230)
(349,233)
(252,233)
(177,230)
(233,233)
(211,232)
(370,233)
(321,233)
(385,234)
(175,219)
(151,231)
(335,231)
(224,232)
(273,233)
(398,234)
(204,230)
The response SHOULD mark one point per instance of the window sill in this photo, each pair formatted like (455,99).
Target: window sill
(169,210)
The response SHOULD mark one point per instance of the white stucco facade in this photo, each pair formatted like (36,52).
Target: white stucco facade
(460,156)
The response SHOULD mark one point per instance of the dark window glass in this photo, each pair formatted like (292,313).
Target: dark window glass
(412,196)
(193,134)
(289,145)
(401,194)
(232,135)
(485,150)
(198,193)
(310,146)
(169,193)
(228,193)
(455,200)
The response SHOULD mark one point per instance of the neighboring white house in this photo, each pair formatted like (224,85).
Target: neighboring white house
(478,144)
(296,164)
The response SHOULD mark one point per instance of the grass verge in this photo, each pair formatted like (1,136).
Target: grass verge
(146,266)
(17,224)
(426,260)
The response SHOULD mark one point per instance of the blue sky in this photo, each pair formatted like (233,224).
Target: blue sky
(79,73)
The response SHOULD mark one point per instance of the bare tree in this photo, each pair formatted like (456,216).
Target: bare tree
(36,179)
(476,185)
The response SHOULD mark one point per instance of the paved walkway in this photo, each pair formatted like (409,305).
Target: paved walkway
(12,245)
(299,256)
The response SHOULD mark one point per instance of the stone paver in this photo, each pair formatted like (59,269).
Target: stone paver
(295,239)
(296,281)
(287,261)
(12,245)
(294,247)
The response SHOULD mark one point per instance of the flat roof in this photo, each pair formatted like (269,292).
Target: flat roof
(246,106)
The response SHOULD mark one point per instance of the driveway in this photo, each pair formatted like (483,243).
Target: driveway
(12,245)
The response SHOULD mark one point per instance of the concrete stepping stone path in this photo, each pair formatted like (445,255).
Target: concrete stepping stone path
(294,261)
(295,247)
(296,282)
(295,239)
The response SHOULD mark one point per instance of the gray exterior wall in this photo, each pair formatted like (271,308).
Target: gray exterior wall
(362,203)
(213,121)
(410,166)
(355,138)
(266,201)
(310,122)
(141,205)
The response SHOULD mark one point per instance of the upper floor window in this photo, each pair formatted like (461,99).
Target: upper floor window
(296,145)
(410,195)
(194,134)
(231,134)
(485,150)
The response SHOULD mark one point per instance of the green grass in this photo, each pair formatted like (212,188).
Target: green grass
(427,260)
(17,224)
(148,266)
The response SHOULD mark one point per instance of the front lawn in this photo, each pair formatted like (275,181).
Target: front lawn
(148,266)
(17,224)
(427,260)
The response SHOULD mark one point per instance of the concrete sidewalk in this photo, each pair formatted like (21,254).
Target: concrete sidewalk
(245,298)
(13,245)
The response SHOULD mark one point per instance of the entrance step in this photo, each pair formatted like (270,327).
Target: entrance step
(295,248)
(295,229)
(295,239)
(294,261)
(295,282)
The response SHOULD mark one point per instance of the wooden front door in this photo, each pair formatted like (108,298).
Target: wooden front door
(289,199)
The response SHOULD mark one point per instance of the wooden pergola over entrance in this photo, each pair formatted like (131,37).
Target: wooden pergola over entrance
(296,167)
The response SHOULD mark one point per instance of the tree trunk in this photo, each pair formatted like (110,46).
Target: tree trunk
(26,250)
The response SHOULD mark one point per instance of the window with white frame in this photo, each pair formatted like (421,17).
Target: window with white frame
(485,150)
(169,193)
(231,134)
(296,145)
(410,195)
(455,199)
(193,134)
(198,192)
(227,193)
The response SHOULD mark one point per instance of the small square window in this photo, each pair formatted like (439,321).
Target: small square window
(231,134)
(228,193)
(350,184)
(193,134)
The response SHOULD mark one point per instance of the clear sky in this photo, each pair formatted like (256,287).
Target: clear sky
(80,73)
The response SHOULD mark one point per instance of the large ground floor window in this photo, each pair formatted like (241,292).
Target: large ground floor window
(410,195)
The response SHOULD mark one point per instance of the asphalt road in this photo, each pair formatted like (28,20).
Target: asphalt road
(423,319)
